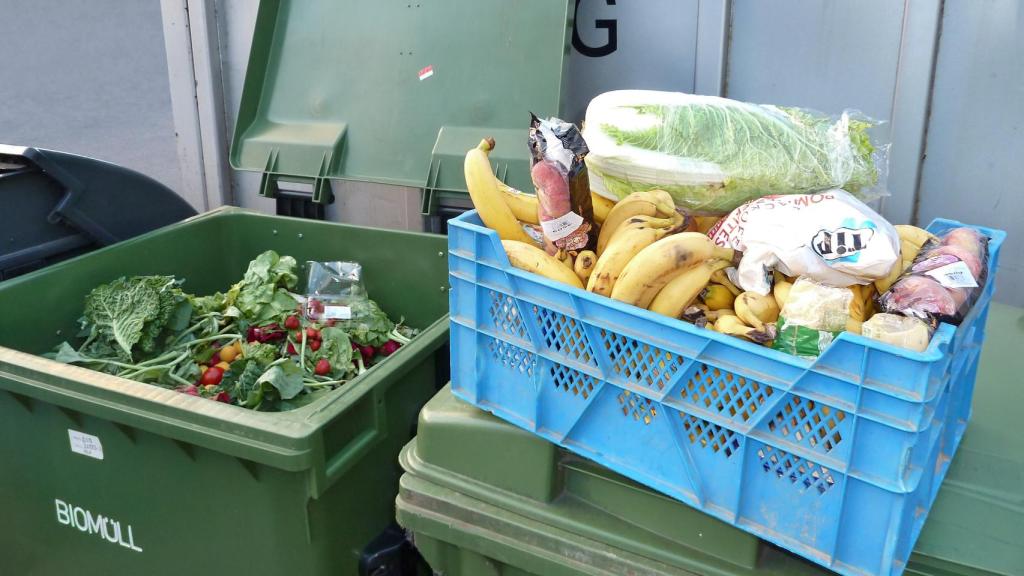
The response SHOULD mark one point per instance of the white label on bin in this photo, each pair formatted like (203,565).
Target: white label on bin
(337,313)
(562,226)
(955,275)
(86,444)
(94,524)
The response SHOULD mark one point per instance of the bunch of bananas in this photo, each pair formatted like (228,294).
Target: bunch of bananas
(653,256)
(510,213)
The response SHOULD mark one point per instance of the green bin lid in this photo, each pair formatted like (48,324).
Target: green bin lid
(396,92)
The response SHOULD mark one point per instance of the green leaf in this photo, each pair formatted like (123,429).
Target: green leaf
(260,352)
(68,355)
(134,310)
(369,324)
(336,348)
(286,377)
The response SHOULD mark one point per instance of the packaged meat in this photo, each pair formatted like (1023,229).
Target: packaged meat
(565,208)
(944,279)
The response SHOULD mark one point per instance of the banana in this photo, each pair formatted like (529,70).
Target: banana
(704,223)
(636,204)
(914,235)
(781,293)
(714,315)
(854,326)
(656,265)
(677,295)
(757,310)
(488,201)
(626,244)
(912,239)
(720,277)
(523,205)
(734,326)
(857,310)
(584,265)
(897,268)
(532,259)
(602,206)
(566,259)
(717,297)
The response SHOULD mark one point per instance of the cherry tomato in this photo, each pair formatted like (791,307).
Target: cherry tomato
(323,367)
(212,376)
(314,345)
(222,365)
(292,322)
(228,353)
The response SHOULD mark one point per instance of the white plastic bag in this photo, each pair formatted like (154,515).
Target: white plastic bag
(830,237)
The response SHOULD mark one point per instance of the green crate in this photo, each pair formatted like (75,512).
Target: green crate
(481,497)
(187,485)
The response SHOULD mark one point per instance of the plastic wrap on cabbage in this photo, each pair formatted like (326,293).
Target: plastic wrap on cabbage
(713,154)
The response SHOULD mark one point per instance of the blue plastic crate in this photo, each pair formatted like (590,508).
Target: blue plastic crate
(837,460)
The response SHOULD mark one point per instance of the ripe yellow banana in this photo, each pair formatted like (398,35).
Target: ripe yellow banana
(565,258)
(584,265)
(883,284)
(734,326)
(678,293)
(854,326)
(487,199)
(704,223)
(636,204)
(916,236)
(626,245)
(857,310)
(522,205)
(912,239)
(654,266)
(720,277)
(781,293)
(602,206)
(757,310)
(717,297)
(532,259)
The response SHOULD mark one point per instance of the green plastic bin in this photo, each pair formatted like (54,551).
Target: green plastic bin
(483,498)
(105,476)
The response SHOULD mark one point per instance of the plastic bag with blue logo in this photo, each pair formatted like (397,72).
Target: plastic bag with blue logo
(830,237)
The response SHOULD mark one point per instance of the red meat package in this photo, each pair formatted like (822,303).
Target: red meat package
(943,281)
(563,188)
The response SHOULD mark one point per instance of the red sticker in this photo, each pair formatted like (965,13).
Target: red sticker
(426,72)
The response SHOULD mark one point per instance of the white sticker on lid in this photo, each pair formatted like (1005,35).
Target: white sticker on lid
(337,313)
(955,275)
(85,444)
(562,226)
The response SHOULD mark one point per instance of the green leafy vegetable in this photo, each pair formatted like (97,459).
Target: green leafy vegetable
(285,377)
(133,312)
(713,154)
(369,324)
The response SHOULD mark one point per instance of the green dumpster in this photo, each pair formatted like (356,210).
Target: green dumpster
(483,498)
(105,476)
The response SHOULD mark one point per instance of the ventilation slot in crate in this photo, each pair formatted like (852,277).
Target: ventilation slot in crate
(505,315)
(637,408)
(573,381)
(640,363)
(804,474)
(564,335)
(725,393)
(718,439)
(513,357)
(806,422)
